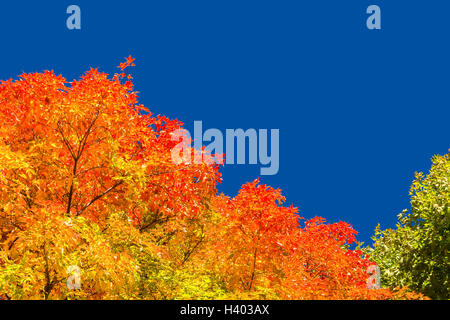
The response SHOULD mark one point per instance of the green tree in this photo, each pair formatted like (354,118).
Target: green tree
(416,253)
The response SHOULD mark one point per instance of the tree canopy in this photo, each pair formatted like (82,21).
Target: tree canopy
(88,191)
(416,253)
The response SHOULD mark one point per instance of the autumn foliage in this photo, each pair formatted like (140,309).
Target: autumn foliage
(87,180)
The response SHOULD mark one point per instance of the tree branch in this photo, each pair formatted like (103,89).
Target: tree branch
(99,197)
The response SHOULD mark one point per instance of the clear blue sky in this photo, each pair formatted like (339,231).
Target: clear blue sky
(359,111)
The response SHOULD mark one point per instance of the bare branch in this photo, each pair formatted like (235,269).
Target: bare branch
(99,197)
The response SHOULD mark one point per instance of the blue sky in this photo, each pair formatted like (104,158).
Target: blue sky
(359,111)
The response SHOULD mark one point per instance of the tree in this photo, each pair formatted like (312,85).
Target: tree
(248,249)
(92,206)
(72,157)
(264,252)
(416,253)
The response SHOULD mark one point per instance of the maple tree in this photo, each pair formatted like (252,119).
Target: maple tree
(88,180)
